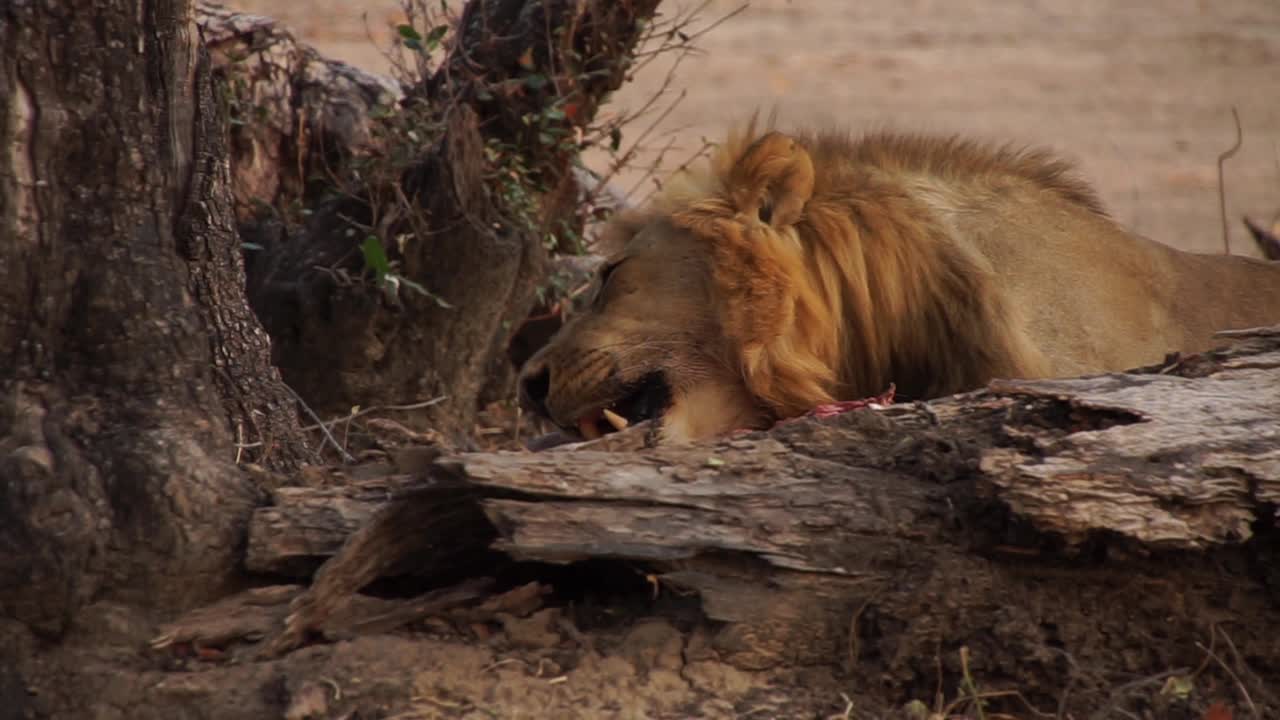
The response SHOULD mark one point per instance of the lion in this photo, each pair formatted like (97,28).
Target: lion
(798,269)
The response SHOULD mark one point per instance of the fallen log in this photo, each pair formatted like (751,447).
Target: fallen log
(1122,446)
(1106,523)
(303,526)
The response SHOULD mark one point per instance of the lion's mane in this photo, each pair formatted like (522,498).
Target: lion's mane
(835,277)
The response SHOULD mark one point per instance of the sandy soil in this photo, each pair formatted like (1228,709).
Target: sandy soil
(1138,93)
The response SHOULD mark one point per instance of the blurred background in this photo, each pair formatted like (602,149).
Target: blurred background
(1137,93)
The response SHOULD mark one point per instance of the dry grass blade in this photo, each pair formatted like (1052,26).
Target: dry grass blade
(1222,190)
(342,452)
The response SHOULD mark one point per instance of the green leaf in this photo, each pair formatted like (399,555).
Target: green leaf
(250,246)
(916,710)
(615,139)
(375,258)
(535,82)
(1178,686)
(714,462)
(435,35)
(408,32)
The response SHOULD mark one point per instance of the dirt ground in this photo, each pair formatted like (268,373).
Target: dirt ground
(1138,93)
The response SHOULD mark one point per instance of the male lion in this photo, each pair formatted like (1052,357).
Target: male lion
(797,270)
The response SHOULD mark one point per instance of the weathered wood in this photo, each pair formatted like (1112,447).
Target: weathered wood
(246,616)
(1124,453)
(303,526)
(249,616)
(435,534)
(1188,462)
(295,113)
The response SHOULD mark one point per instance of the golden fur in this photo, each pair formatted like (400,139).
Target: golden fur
(797,270)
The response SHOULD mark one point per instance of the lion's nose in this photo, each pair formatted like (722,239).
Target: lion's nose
(535,384)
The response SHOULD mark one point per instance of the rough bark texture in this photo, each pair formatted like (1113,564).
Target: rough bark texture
(294,114)
(129,355)
(343,344)
(302,526)
(1047,526)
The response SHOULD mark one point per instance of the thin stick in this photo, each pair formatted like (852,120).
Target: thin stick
(1235,654)
(346,456)
(1244,667)
(1222,192)
(321,424)
(969,685)
(1073,671)
(855,648)
(848,709)
(1239,685)
(1213,644)
(346,429)
(515,436)
(1119,693)
(938,696)
(994,695)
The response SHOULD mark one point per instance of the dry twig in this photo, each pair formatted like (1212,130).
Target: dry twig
(1222,191)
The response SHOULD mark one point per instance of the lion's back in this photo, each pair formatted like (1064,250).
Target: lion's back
(1075,290)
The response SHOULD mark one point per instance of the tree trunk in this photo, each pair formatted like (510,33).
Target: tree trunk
(132,364)
(490,182)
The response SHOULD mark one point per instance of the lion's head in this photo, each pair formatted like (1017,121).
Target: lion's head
(701,320)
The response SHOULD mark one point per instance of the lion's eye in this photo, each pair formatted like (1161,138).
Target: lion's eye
(606,272)
(766,212)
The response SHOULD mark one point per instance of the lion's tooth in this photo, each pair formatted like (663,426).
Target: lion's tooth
(588,428)
(617,421)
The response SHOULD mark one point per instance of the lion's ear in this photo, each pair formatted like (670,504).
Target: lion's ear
(612,239)
(772,180)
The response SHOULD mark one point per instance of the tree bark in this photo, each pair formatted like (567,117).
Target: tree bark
(295,114)
(485,194)
(132,363)
(1029,522)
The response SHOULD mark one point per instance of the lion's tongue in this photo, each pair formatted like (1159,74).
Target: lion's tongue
(588,427)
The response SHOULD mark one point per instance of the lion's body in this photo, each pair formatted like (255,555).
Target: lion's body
(828,268)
